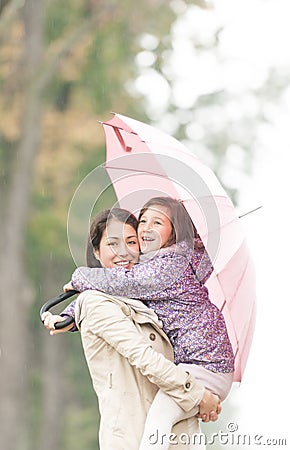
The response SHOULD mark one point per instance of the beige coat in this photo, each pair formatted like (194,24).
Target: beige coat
(124,353)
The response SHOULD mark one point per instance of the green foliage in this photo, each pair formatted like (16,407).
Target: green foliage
(59,94)
(46,234)
(60,16)
(81,428)
(7,154)
(107,67)
(34,416)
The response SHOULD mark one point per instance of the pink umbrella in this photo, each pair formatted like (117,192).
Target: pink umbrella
(144,162)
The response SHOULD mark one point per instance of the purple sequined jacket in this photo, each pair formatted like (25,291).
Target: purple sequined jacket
(172,284)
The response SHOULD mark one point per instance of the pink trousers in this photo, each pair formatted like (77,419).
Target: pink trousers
(164,412)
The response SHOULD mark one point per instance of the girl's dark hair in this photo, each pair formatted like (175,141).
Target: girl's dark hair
(183,228)
(98,227)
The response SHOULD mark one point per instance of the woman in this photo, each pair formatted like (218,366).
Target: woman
(126,349)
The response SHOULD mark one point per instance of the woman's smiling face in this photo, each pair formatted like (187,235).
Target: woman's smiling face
(118,246)
(154,229)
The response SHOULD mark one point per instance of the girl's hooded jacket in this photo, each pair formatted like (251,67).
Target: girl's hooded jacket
(171,282)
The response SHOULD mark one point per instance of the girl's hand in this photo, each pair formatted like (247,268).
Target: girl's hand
(68,287)
(212,417)
(209,407)
(49,321)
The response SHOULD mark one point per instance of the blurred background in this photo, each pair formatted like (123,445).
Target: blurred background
(215,74)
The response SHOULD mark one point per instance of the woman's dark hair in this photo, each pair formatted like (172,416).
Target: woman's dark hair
(98,227)
(183,228)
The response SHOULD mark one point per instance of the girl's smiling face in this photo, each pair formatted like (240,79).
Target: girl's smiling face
(154,229)
(118,246)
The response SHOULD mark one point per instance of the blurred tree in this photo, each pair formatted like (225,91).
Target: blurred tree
(3,3)
(15,289)
(59,66)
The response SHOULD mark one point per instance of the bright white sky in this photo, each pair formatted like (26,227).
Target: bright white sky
(256,37)
(258,32)
(263,394)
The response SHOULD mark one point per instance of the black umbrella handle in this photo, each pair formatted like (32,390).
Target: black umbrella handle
(55,301)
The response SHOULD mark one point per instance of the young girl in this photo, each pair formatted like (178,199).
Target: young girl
(170,279)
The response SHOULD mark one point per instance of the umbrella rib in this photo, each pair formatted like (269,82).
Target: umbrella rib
(118,127)
(221,310)
(244,271)
(158,175)
(240,281)
(138,171)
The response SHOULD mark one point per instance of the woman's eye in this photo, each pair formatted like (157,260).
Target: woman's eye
(142,221)
(157,222)
(112,244)
(132,243)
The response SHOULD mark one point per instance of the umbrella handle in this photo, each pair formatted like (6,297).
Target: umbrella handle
(55,301)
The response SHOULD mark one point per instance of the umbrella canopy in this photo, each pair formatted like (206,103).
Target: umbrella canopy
(144,162)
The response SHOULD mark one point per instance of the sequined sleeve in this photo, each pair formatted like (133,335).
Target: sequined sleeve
(69,311)
(202,265)
(143,281)
(201,262)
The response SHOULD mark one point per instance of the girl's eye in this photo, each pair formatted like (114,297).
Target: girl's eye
(112,244)
(157,222)
(142,221)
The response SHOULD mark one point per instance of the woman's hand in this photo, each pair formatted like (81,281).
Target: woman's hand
(49,321)
(68,287)
(209,407)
